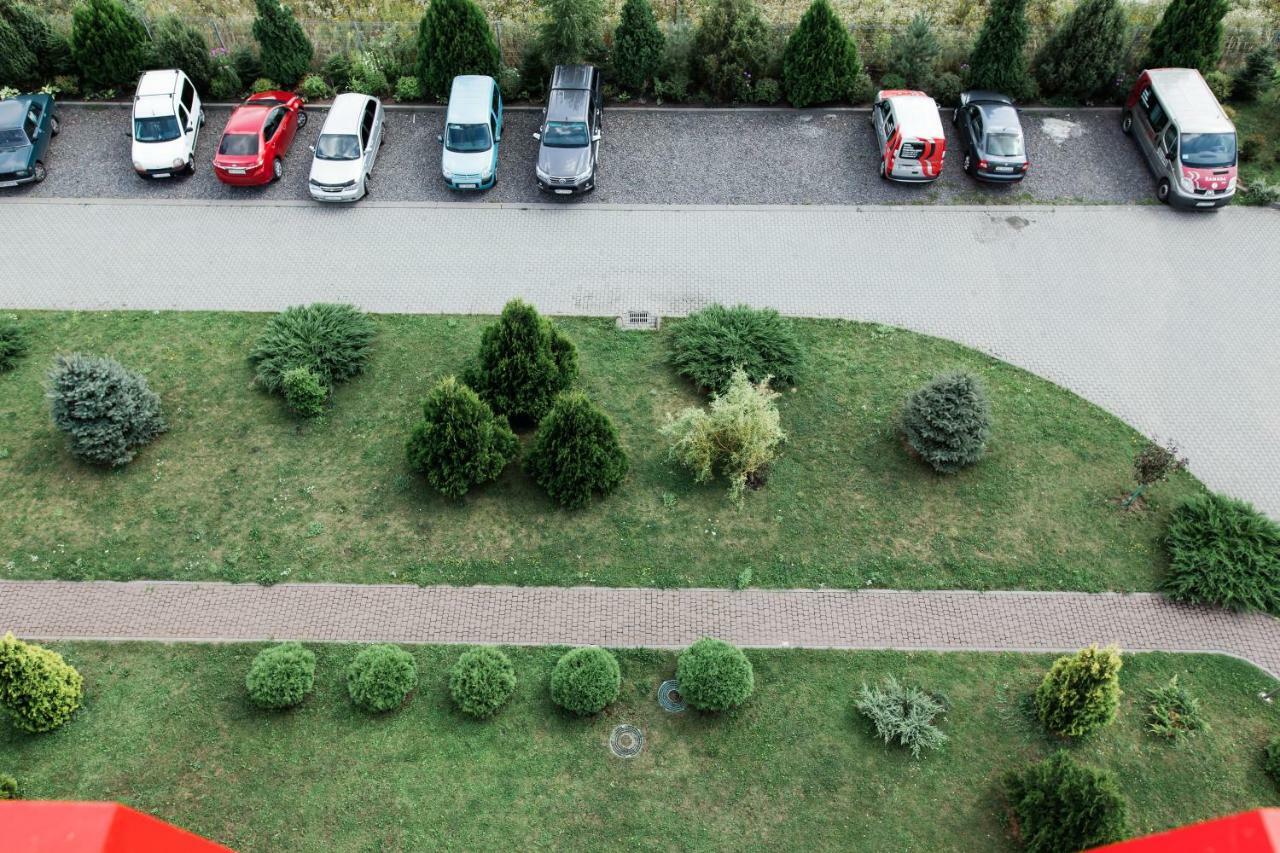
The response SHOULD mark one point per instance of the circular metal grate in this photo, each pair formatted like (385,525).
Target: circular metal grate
(626,741)
(669,696)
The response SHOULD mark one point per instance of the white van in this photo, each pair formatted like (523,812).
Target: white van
(167,117)
(1188,141)
(472,129)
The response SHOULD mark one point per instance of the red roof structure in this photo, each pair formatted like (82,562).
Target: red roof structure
(46,826)
(1248,832)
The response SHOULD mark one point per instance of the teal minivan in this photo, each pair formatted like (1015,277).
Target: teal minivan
(472,130)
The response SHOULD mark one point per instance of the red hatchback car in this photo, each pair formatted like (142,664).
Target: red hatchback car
(257,137)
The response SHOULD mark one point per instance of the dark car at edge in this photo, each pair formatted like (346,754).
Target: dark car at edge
(27,124)
(992,145)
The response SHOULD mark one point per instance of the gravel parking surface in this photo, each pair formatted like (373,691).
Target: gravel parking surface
(648,157)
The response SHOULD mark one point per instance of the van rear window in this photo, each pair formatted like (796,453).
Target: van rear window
(911,150)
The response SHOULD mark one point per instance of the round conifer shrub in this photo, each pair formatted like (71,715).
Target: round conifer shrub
(285,50)
(586,680)
(732,48)
(820,63)
(638,46)
(8,787)
(381,677)
(1058,805)
(454,38)
(332,341)
(109,45)
(1081,692)
(948,422)
(281,676)
(105,410)
(709,345)
(176,44)
(482,681)
(524,363)
(714,675)
(13,344)
(39,690)
(998,59)
(304,392)
(575,452)
(460,442)
(1224,552)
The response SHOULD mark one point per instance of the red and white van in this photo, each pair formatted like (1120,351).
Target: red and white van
(1186,137)
(909,133)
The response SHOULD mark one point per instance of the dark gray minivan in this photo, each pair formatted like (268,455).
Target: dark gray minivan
(570,132)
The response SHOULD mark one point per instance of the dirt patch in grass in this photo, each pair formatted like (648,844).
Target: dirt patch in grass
(237,491)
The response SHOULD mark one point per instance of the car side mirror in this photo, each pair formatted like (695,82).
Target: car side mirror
(440,138)
(1169,155)
(595,137)
(313,148)
(537,135)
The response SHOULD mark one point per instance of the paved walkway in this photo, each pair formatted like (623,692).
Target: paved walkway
(952,621)
(1167,320)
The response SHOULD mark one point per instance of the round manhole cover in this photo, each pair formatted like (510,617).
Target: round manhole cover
(626,741)
(669,696)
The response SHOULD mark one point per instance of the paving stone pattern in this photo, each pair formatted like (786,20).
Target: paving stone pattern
(653,618)
(1165,319)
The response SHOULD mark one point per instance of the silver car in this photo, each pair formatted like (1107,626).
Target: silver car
(570,134)
(347,148)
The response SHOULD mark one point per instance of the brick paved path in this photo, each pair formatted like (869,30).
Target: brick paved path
(1015,621)
(1167,320)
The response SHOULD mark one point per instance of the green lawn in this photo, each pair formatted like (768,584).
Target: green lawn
(237,490)
(168,729)
(1261,122)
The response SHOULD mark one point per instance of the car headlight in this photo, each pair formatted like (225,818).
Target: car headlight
(1231,184)
(448,176)
(178,162)
(138,167)
(541,174)
(1187,184)
(583,176)
(487,173)
(22,173)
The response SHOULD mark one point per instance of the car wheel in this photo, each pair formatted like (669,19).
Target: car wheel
(884,174)
(1126,123)
(190,168)
(40,172)
(302,118)
(277,169)
(202,116)
(54,126)
(1162,190)
(955,117)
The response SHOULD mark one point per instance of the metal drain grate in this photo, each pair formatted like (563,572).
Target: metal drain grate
(669,696)
(626,741)
(639,320)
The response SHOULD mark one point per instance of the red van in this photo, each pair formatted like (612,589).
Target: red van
(1188,141)
(909,133)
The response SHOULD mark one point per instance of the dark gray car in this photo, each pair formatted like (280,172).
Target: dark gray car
(570,132)
(992,147)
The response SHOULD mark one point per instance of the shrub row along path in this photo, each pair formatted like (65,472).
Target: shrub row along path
(1165,319)
(653,618)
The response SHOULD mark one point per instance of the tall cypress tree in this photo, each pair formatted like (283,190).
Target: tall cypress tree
(638,45)
(454,38)
(1189,35)
(108,44)
(286,52)
(571,30)
(998,61)
(1082,55)
(17,62)
(914,53)
(820,62)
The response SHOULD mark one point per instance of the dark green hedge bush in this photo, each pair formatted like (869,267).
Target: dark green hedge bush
(176,44)
(820,63)
(638,46)
(708,345)
(1061,806)
(714,675)
(13,344)
(1081,57)
(454,37)
(576,453)
(482,681)
(525,361)
(8,787)
(381,677)
(1081,693)
(108,44)
(105,410)
(586,680)
(1223,551)
(304,392)
(733,48)
(460,442)
(39,690)
(285,50)
(281,676)
(333,341)
(948,422)
(998,59)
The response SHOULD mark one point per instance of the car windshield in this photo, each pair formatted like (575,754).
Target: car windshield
(332,146)
(1206,150)
(239,144)
(1004,145)
(467,137)
(565,134)
(13,138)
(156,129)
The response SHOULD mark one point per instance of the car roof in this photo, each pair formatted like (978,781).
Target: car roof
(14,111)
(999,118)
(248,118)
(470,99)
(162,82)
(980,96)
(568,105)
(916,112)
(572,77)
(346,112)
(1188,99)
